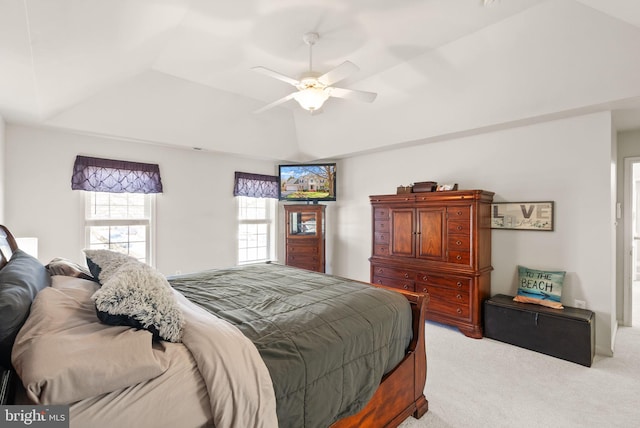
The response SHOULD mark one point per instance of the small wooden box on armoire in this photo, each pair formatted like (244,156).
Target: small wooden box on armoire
(567,333)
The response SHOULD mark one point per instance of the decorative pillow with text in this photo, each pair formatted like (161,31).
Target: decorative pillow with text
(540,287)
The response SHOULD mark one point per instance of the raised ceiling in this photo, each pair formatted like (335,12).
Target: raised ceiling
(178,72)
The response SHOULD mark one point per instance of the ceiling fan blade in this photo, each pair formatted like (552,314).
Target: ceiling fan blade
(352,94)
(276,103)
(276,75)
(338,73)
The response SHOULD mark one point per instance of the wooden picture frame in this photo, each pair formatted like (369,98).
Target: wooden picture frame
(523,215)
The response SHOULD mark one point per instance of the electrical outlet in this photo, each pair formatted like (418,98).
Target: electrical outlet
(580,304)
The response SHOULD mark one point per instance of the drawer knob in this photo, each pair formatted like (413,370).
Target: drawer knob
(379,281)
(459,296)
(459,227)
(459,311)
(425,278)
(459,212)
(380,270)
(459,284)
(406,287)
(458,242)
(406,275)
(458,257)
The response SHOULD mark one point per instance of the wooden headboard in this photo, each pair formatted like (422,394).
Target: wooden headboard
(7,245)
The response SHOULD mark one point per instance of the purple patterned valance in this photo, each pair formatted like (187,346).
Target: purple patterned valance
(114,176)
(256,185)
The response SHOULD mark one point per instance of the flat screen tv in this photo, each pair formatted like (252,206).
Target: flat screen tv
(308,182)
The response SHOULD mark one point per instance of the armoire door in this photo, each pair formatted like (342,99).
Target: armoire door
(431,232)
(402,232)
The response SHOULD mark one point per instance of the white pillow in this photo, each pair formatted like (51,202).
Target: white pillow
(137,295)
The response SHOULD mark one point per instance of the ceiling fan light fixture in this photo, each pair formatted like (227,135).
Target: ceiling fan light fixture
(311,98)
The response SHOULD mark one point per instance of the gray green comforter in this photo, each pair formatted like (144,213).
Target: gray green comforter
(326,341)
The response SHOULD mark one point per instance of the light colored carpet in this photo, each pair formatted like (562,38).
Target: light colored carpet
(486,383)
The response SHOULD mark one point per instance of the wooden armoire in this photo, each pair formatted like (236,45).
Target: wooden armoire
(438,243)
(304,234)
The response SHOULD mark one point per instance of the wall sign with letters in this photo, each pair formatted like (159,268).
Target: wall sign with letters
(522,215)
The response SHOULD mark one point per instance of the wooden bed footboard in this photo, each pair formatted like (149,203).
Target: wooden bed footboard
(401,392)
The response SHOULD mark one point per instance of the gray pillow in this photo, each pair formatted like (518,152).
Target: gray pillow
(60,266)
(20,280)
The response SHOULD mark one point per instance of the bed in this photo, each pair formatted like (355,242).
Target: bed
(243,359)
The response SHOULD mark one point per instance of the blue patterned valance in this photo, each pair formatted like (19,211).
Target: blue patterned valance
(114,176)
(255,185)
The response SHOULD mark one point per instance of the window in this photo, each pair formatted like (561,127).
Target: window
(120,222)
(256,229)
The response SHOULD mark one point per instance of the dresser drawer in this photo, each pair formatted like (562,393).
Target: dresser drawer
(459,242)
(427,279)
(381,237)
(459,213)
(308,266)
(381,225)
(459,227)
(302,249)
(306,242)
(380,250)
(296,259)
(381,213)
(394,282)
(460,257)
(447,301)
(393,273)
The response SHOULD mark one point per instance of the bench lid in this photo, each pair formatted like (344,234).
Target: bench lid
(506,301)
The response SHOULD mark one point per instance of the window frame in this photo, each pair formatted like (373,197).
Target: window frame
(149,223)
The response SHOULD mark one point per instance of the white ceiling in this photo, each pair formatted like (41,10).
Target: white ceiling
(178,72)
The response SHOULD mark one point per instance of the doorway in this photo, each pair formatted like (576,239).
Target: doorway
(632,241)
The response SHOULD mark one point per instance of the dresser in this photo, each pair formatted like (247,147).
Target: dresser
(304,235)
(437,243)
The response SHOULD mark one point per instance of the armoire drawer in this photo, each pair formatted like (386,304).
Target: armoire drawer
(381,213)
(393,273)
(447,301)
(302,259)
(381,237)
(381,225)
(381,250)
(459,242)
(459,213)
(459,227)
(394,282)
(302,249)
(426,279)
(460,257)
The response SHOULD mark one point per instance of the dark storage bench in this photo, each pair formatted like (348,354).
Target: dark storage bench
(567,333)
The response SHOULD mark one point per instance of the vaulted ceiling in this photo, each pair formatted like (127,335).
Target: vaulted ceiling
(178,72)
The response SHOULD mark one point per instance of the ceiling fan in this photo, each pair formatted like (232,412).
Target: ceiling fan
(315,88)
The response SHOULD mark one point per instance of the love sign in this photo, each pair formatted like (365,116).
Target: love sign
(522,215)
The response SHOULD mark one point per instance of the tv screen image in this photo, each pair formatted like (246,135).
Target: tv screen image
(308,182)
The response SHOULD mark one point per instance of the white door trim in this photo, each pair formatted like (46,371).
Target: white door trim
(628,240)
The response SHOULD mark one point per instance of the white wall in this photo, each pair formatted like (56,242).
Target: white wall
(566,161)
(2,167)
(196,214)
